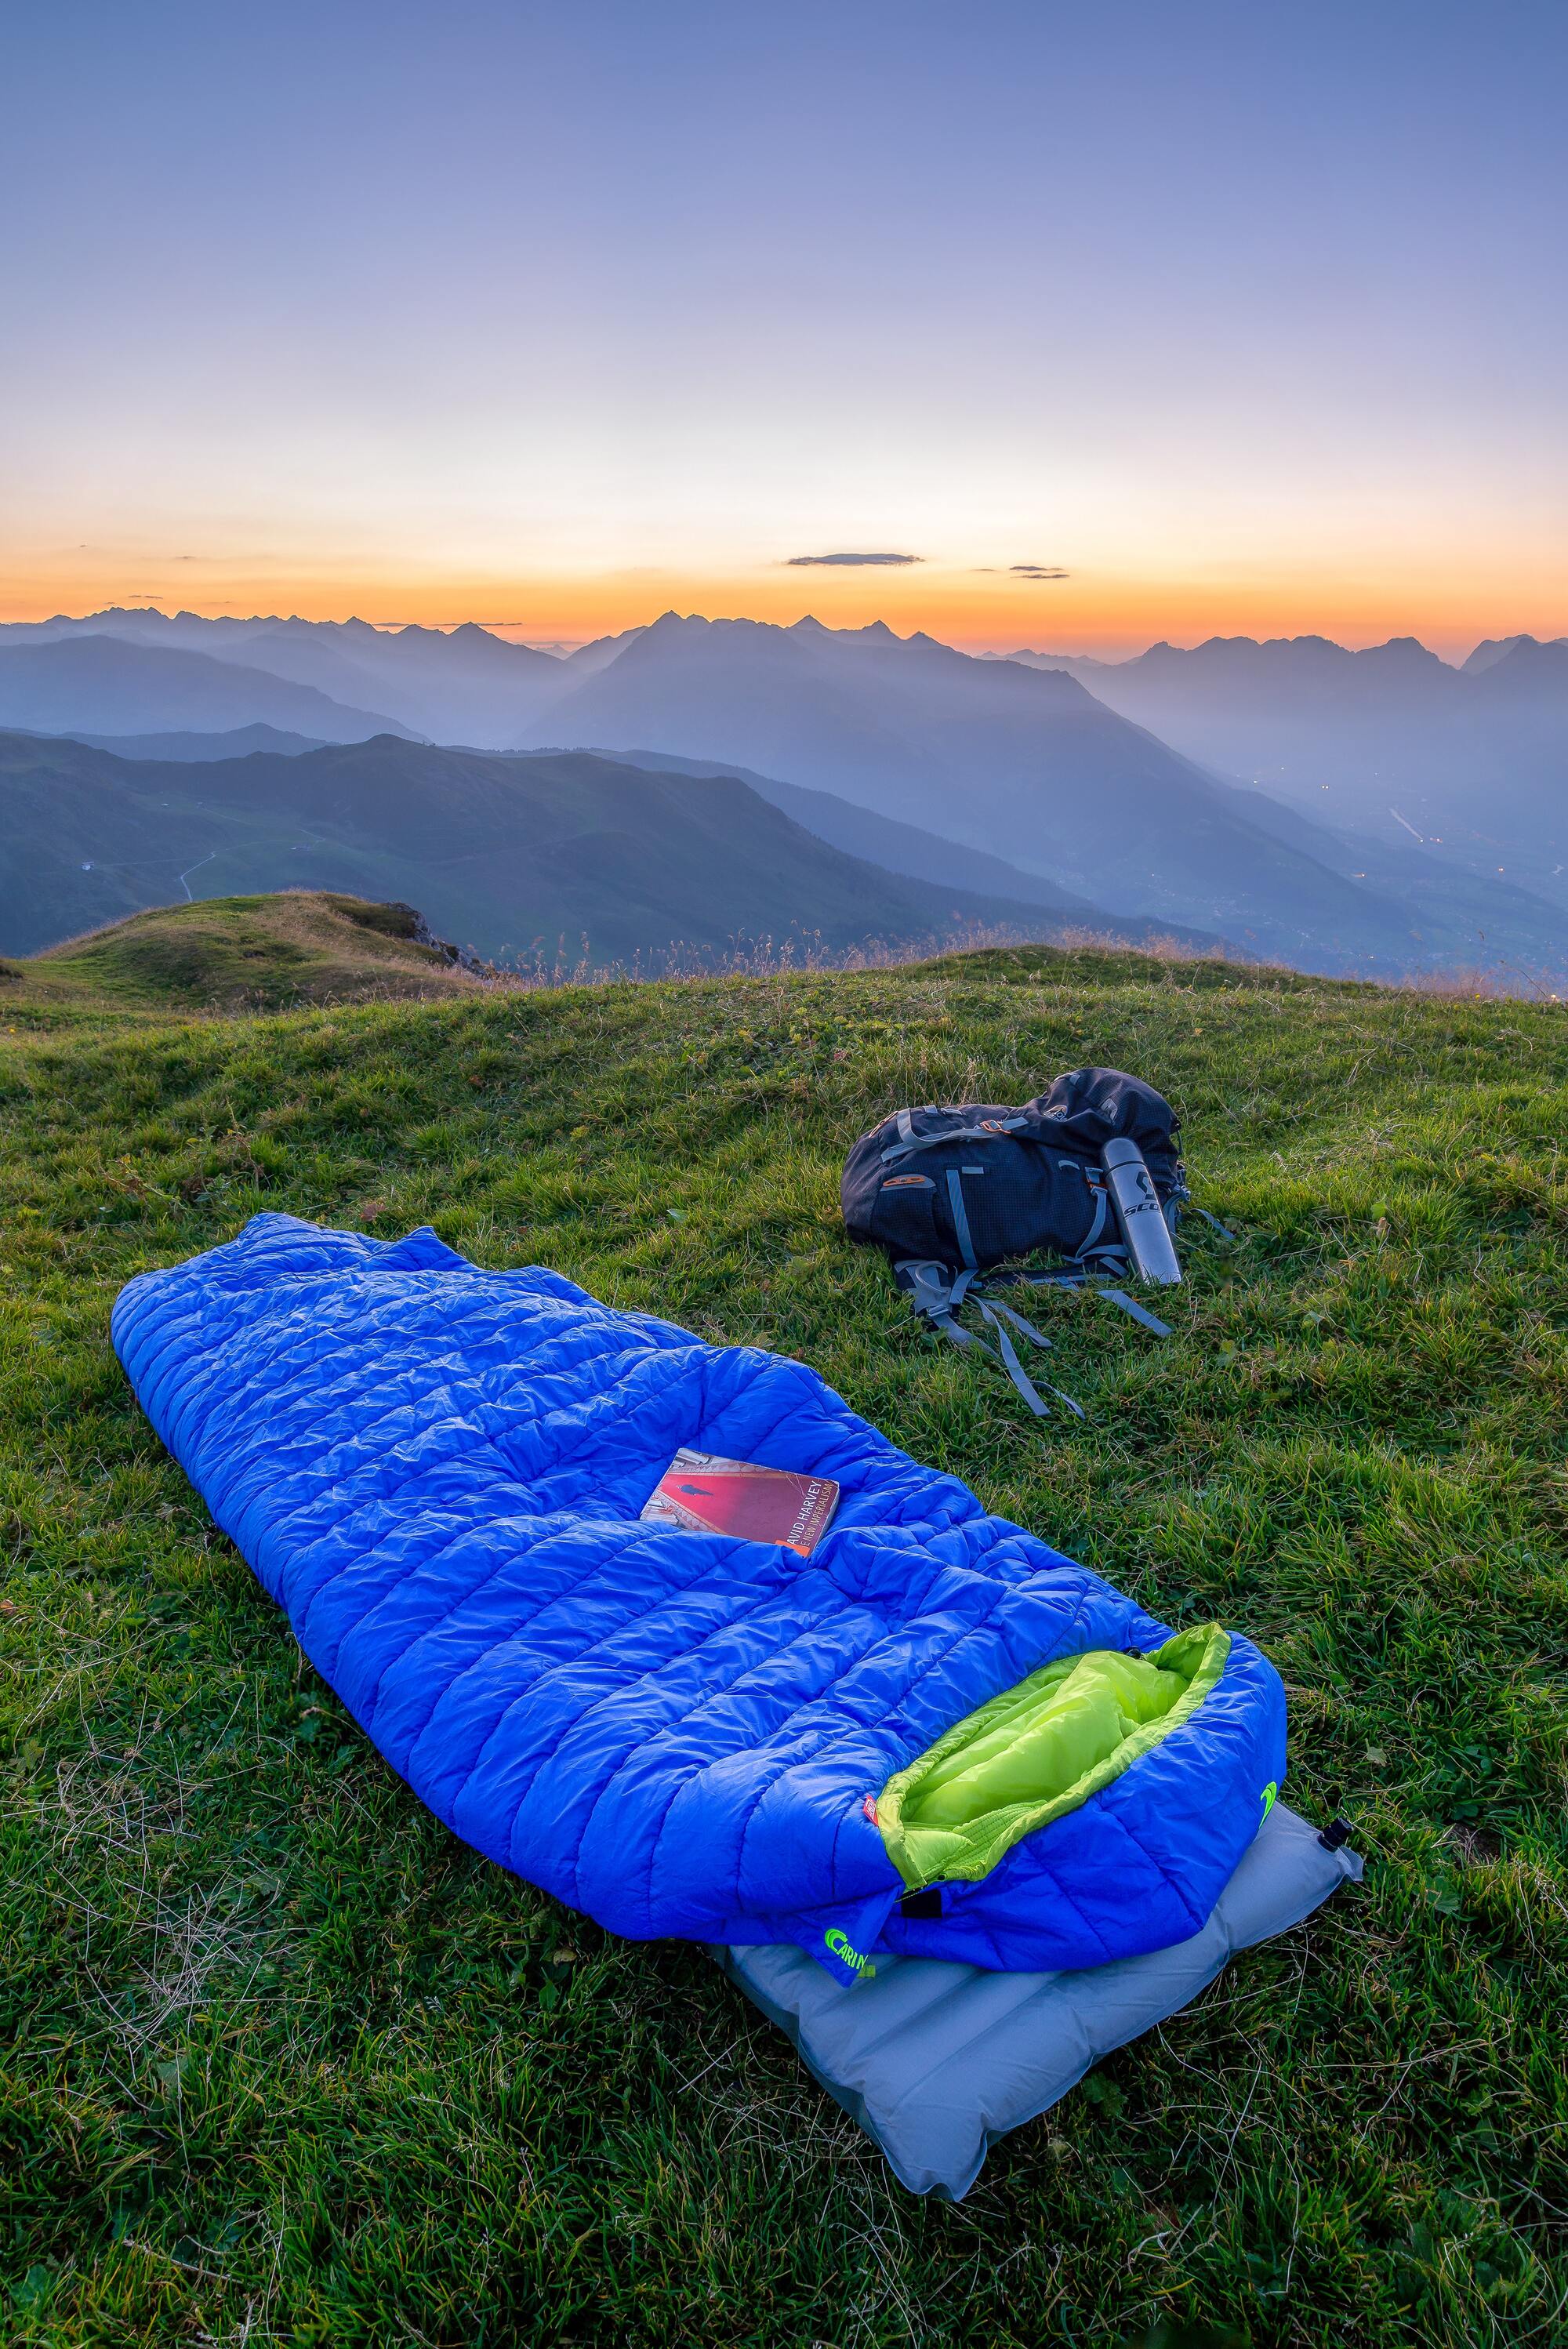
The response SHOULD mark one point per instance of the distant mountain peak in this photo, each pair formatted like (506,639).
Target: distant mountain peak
(1528,663)
(1411,650)
(1494,648)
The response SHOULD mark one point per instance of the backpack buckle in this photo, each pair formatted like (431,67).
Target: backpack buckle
(928,1287)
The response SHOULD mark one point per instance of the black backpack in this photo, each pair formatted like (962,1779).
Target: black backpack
(949,1193)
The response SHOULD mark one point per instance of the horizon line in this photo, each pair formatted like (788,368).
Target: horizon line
(561,643)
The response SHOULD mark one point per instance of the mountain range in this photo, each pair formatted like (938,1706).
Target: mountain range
(1470,762)
(1421,899)
(461,686)
(1016,763)
(1042,780)
(898,847)
(111,684)
(517,857)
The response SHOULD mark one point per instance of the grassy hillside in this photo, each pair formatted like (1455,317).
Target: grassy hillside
(510,857)
(290,2064)
(234,953)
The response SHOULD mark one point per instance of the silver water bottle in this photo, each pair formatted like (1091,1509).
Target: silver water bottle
(1139,1212)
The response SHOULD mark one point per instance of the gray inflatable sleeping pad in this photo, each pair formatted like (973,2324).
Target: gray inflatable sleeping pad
(936,2062)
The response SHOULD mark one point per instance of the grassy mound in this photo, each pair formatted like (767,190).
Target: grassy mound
(289,2063)
(239,954)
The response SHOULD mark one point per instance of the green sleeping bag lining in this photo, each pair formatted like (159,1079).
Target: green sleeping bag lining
(1038,1751)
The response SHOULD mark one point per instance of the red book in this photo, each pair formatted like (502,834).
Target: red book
(706,1495)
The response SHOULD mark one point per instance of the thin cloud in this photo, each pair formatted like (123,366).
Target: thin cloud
(1038,571)
(848,561)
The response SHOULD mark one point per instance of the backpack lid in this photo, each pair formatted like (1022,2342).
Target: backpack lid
(1094,1106)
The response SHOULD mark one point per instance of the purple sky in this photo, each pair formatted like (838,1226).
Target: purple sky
(1238,316)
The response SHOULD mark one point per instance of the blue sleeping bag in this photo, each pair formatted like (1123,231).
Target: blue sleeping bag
(935,1737)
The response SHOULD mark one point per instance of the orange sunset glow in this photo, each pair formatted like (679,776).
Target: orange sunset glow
(1115,321)
(1092,612)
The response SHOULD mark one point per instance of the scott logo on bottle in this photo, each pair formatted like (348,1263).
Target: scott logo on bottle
(1138,1211)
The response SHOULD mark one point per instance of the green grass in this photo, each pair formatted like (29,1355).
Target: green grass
(288,2063)
(275,953)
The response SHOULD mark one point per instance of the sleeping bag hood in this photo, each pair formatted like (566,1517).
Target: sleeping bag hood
(935,1735)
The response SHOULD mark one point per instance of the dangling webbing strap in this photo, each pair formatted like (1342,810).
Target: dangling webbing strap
(1095,1280)
(1139,1313)
(996,1314)
(1018,1322)
(1213,1221)
(934,1301)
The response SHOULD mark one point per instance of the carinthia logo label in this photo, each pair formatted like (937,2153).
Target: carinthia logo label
(856,1959)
